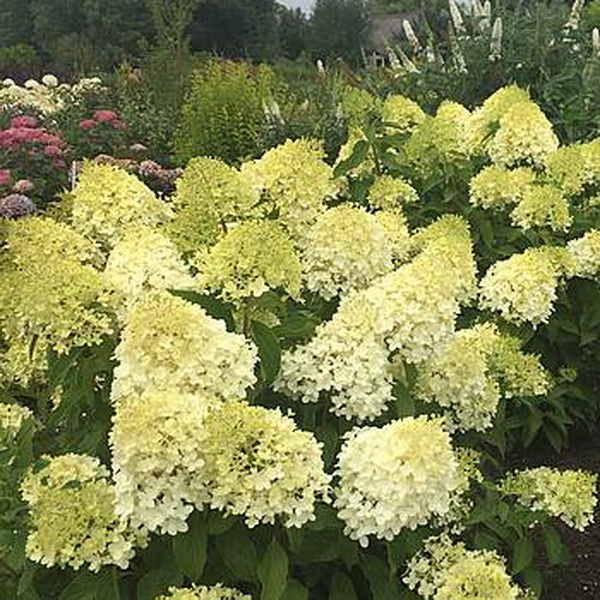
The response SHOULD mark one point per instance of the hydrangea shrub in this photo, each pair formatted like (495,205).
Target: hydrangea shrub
(295,381)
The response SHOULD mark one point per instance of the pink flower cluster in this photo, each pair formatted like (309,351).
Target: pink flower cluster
(110,117)
(24,134)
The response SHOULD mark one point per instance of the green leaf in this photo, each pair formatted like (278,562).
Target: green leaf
(404,404)
(295,591)
(359,153)
(189,548)
(296,326)
(522,555)
(342,587)
(238,552)
(215,308)
(376,571)
(82,587)
(273,571)
(157,581)
(320,546)
(555,550)
(269,351)
(217,523)
(92,586)
(533,580)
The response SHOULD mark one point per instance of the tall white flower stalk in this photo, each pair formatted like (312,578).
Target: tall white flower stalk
(496,41)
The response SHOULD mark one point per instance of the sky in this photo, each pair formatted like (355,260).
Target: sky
(303,4)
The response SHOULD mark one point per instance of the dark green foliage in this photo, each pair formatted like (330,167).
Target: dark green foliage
(339,29)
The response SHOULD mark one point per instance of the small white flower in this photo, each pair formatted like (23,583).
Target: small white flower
(50,81)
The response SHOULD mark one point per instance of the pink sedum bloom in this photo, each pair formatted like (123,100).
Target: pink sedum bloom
(87,124)
(53,150)
(105,115)
(4,176)
(119,125)
(24,121)
(23,186)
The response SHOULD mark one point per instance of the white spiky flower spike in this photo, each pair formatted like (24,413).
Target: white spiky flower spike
(411,36)
(575,16)
(320,66)
(476,8)
(408,64)
(486,15)
(457,18)
(496,41)
(596,42)
(394,60)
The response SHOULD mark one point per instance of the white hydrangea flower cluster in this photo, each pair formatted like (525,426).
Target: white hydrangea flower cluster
(523,287)
(171,344)
(73,518)
(391,193)
(499,187)
(296,180)
(575,168)
(525,136)
(404,113)
(12,417)
(461,503)
(542,206)
(249,260)
(210,196)
(344,251)
(473,371)
(201,592)
(410,311)
(511,129)
(394,477)
(447,570)
(144,260)
(397,234)
(173,452)
(157,458)
(567,495)
(48,95)
(258,464)
(107,201)
(586,254)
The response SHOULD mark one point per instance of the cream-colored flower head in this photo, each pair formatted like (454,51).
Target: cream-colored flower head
(402,112)
(201,592)
(251,259)
(107,201)
(447,570)
(585,252)
(525,137)
(260,466)
(157,458)
(410,312)
(296,182)
(72,516)
(568,495)
(394,477)
(345,250)
(498,187)
(171,344)
(144,260)
(473,371)
(209,195)
(50,289)
(523,288)
(13,416)
(542,206)
(391,193)
(575,168)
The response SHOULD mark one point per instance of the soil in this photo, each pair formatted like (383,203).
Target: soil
(580,579)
